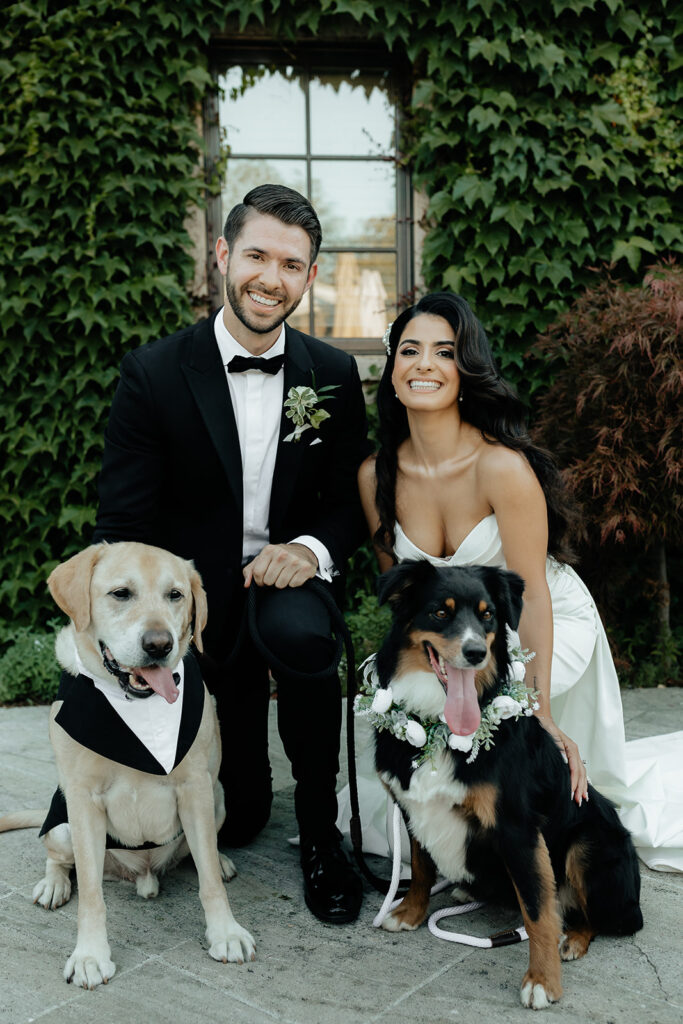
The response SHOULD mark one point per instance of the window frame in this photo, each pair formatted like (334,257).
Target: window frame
(311,58)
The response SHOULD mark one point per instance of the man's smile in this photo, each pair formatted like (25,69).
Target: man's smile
(263,300)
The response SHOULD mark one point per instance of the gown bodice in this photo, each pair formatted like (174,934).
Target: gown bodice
(481,546)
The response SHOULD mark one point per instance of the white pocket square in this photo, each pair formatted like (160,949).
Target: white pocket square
(318,440)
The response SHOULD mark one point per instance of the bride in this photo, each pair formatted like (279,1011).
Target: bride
(457,481)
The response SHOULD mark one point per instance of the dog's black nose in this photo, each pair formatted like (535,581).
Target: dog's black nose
(157,642)
(474,653)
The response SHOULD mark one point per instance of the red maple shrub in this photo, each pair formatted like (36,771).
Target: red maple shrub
(613,420)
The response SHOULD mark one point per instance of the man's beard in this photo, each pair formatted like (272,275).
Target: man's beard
(237,306)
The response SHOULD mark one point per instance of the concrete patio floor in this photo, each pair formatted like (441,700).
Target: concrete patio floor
(306,972)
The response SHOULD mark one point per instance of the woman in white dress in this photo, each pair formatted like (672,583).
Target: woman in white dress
(458,481)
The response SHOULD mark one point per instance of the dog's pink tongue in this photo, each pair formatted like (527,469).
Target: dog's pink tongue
(461,711)
(161,681)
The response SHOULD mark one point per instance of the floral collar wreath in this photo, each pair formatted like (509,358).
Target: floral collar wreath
(432,735)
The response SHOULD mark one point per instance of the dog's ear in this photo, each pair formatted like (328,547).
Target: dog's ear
(396,583)
(69,584)
(510,589)
(201,610)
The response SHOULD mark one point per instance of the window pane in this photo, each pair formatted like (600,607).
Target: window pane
(354,294)
(355,201)
(243,175)
(351,115)
(270,117)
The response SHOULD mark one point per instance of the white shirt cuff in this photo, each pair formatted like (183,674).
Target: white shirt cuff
(326,567)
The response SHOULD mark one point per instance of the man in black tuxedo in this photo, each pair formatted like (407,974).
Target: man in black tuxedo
(201,461)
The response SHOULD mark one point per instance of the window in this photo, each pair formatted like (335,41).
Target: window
(331,135)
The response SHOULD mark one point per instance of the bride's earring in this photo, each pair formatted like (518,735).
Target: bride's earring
(460,397)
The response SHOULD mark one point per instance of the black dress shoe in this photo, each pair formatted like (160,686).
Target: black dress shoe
(332,890)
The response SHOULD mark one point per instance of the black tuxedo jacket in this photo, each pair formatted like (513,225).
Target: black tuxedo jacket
(172,469)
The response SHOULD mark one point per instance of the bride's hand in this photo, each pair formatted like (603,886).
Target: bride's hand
(570,753)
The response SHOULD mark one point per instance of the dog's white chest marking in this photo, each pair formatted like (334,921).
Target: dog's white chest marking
(432,803)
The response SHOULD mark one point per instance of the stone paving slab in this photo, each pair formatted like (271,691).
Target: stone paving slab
(306,972)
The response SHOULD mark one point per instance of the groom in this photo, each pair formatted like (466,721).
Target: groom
(199,458)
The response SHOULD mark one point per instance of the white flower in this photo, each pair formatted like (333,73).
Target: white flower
(535,705)
(415,734)
(463,743)
(382,701)
(517,671)
(504,707)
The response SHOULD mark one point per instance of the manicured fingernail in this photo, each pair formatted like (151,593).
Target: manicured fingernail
(564,757)
(580,800)
(572,796)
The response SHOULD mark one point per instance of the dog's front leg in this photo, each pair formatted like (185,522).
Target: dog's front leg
(90,964)
(228,941)
(529,866)
(412,910)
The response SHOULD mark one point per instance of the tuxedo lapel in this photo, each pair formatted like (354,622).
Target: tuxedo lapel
(205,375)
(298,369)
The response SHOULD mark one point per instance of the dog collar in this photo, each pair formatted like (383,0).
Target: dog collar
(432,735)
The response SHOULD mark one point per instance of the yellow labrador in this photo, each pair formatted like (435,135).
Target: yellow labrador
(133,609)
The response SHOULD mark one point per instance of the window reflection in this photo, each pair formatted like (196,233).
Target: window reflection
(356,201)
(263,111)
(351,115)
(355,294)
(243,175)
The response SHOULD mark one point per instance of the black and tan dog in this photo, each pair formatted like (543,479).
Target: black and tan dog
(502,826)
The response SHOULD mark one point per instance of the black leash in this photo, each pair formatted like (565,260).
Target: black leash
(343,643)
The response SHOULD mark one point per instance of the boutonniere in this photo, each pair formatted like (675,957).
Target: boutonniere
(302,408)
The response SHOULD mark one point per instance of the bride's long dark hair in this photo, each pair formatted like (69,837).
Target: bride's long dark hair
(487,402)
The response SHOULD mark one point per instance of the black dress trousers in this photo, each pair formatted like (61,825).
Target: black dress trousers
(295,625)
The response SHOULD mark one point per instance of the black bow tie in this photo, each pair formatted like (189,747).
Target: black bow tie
(238,364)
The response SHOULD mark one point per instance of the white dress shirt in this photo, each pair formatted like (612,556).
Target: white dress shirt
(257,400)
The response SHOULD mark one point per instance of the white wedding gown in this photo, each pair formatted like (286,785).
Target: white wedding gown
(643,778)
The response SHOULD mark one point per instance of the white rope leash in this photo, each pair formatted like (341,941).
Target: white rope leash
(504,938)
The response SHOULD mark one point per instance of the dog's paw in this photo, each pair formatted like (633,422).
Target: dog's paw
(89,969)
(461,896)
(234,946)
(54,891)
(147,886)
(574,944)
(228,869)
(402,920)
(537,994)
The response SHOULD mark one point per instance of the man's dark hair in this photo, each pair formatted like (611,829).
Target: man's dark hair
(288,206)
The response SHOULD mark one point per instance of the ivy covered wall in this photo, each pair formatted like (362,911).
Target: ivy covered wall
(542,131)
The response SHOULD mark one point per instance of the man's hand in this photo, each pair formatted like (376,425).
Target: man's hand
(281,565)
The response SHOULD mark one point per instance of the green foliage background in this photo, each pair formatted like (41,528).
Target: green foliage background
(543,132)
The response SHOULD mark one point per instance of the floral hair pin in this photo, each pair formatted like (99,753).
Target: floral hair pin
(386,336)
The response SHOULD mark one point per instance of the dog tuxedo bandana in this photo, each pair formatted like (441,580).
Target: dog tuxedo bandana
(148,734)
